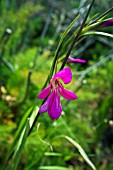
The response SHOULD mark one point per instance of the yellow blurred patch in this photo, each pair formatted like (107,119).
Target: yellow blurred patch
(46,53)
(3,90)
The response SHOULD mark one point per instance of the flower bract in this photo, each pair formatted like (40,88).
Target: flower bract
(106,23)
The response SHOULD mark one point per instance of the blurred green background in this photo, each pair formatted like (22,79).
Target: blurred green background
(29,34)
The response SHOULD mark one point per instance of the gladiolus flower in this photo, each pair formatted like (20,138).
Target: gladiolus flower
(75,60)
(52,104)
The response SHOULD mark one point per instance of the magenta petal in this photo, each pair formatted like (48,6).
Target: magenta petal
(47,103)
(44,93)
(65,75)
(44,107)
(76,60)
(66,93)
(55,109)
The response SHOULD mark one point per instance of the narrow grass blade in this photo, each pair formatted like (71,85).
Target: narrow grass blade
(22,124)
(60,44)
(82,152)
(52,154)
(19,147)
(65,33)
(103,15)
(22,139)
(98,33)
(53,168)
(76,36)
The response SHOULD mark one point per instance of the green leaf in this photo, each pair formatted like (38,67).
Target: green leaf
(60,44)
(22,139)
(99,33)
(100,18)
(18,133)
(20,145)
(65,33)
(53,168)
(52,154)
(82,152)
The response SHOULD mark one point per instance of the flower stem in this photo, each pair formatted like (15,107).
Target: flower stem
(77,36)
(102,16)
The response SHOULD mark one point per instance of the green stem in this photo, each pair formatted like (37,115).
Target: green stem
(102,16)
(76,37)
